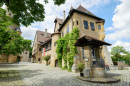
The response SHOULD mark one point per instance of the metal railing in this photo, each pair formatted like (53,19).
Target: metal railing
(98,63)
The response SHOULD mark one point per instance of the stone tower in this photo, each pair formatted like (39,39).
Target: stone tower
(13,27)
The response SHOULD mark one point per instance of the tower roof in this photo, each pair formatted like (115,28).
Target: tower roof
(81,8)
(41,38)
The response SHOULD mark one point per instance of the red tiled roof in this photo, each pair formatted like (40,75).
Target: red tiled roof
(57,32)
(41,38)
(81,8)
(49,40)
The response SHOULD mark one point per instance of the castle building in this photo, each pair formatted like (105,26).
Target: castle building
(90,43)
(40,38)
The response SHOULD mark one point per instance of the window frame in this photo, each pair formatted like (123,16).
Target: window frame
(98,27)
(84,24)
(50,44)
(55,44)
(47,46)
(77,22)
(68,29)
(93,26)
(83,52)
(39,49)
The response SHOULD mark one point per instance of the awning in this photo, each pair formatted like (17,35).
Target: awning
(87,40)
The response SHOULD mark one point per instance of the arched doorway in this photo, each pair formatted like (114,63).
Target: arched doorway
(56,63)
(18,59)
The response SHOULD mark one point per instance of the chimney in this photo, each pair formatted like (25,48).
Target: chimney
(63,15)
(45,32)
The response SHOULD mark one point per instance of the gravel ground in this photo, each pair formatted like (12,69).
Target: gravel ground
(34,74)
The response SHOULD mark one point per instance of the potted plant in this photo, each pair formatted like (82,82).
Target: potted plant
(81,66)
(47,58)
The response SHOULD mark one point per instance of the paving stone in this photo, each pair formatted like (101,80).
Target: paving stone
(34,74)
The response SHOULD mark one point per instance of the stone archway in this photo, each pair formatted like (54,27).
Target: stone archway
(56,63)
(18,59)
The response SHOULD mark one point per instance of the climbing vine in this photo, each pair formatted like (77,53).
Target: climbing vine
(62,50)
(62,45)
(59,51)
(74,35)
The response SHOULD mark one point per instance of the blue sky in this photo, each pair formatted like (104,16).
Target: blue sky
(115,12)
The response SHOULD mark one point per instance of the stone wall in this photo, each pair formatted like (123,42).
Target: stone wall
(107,57)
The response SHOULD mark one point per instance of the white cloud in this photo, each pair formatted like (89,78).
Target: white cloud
(52,11)
(126,45)
(28,32)
(119,34)
(121,21)
(109,29)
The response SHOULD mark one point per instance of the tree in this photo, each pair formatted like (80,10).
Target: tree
(30,51)
(115,51)
(15,45)
(10,41)
(27,11)
(5,22)
(47,58)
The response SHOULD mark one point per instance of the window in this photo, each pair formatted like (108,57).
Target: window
(85,24)
(68,29)
(99,26)
(46,46)
(77,22)
(50,44)
(25,52)
(55,44)
(93,53)
(63,34)
(39,49)
(83,52)
(92,26)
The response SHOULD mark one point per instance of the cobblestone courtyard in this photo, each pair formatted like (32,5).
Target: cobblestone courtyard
(33,74)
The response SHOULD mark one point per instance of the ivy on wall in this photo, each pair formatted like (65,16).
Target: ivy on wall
(74,35)
(59,51)
(67,41)
(62,50)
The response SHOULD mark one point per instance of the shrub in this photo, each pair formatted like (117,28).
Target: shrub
(47,58)
(81,66)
